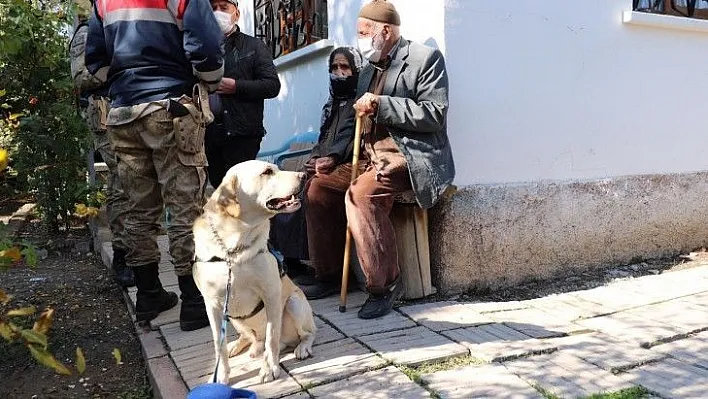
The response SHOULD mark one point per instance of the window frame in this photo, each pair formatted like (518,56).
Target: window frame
(286,26)
(669,7)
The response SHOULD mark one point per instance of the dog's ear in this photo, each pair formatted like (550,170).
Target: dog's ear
(225,199)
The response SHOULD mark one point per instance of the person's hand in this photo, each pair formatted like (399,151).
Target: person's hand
(310,166)
(227,86)
(324,165)
(367,104)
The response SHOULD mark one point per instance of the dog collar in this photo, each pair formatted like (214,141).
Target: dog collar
(281,267)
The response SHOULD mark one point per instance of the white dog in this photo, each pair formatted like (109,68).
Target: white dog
(267,309)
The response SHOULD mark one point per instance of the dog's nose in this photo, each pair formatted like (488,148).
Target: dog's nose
(301,175)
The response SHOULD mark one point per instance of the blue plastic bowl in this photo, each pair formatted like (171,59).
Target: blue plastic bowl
(219,391)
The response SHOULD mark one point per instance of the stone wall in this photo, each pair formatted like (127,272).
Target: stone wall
(487,236)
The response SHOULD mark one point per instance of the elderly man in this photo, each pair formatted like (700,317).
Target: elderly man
(403,97)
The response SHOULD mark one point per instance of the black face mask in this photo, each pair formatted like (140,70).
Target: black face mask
(342,86)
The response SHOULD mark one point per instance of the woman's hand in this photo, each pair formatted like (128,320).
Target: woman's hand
(325,165)
(310,166)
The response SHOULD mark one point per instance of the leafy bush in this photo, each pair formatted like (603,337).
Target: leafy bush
(40,124)
(43,143)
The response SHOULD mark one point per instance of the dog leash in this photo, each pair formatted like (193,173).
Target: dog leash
(225,311)
(224,323)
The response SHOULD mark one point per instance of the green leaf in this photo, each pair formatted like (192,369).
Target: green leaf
(34,337)
(46,358)
(6,331)
(116,354)
(30,254)
(4,297)
(44,322)
(5,262)
(28,311)
(80,361)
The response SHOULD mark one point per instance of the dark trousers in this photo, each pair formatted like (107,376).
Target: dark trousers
(223,151)
(367,204)
(288,234)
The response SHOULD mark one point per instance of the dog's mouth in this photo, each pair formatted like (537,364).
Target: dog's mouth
(289,204)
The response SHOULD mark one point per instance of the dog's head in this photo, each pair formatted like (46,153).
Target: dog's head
(255,189)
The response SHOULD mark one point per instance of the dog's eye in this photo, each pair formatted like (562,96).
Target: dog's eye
(268,171)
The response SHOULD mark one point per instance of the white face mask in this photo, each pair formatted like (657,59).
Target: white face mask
(369,48)
(224,21)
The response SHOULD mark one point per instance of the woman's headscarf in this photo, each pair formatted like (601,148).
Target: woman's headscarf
(342,88)
(345,87)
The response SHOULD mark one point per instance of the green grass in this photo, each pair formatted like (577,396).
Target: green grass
(143,392)
(449,364)
(415,373)
(629,393)
(415,376)
(545,392)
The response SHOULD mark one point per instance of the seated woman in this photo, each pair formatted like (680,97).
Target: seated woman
(334,147)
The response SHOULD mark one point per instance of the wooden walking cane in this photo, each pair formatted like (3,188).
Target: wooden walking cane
(348,240)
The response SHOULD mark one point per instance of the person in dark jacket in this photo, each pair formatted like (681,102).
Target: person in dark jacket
(334,145)
(249,78)
(153,54)
(289,232)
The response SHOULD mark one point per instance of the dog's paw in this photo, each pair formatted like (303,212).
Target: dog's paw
(303,351)
(256,350)
(269,373)
(238,346)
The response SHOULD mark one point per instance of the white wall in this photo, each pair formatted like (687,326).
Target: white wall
(557,89)
(305,80)
(540,89)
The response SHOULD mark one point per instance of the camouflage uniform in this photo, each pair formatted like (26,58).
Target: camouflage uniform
(164,164)
(95,114)
(157,132)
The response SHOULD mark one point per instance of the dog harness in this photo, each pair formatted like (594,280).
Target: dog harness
(281,270)
(225,312)
(261,305)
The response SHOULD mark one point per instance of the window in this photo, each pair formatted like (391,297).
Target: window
(287,25)
(682,8)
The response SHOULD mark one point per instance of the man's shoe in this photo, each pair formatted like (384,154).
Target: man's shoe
(152,299)
(296,268)
(192,315)
(378,305)
(320,289)
(123,274)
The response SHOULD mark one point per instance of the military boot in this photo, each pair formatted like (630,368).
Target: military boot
(193,315)
(123,274)
(151,298)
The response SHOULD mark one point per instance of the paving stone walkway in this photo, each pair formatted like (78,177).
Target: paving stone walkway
(650,331)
